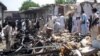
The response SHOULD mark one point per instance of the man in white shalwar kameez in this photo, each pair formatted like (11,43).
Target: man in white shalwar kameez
(23,26)
(62,22)
(74,24)
(56,24)
(78,22)
(7,30)
(59,24)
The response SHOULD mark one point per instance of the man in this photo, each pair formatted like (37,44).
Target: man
(74,23)
(62,22)
(70,23)
(94,24)
(19,24)
(84,24)
(56,25)
(7,30)
(23,25)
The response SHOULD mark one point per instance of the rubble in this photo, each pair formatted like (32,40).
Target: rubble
(61,44)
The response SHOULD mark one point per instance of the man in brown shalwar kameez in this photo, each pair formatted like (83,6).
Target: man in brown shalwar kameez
(94,24)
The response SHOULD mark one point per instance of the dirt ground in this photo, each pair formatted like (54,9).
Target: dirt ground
(2,45)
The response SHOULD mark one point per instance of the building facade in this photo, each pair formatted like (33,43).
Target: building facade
(2,9)
(15,15)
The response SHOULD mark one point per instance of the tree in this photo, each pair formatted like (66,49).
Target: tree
(65,1)
(27,4)
(60,1)
(70,1)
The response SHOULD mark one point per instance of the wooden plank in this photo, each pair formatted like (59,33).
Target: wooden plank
(48,52)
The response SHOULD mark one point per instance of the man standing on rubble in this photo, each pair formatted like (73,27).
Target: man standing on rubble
(94,24)
(56,24)
(62,22)
(70,23)
(74,24)
(59,24)
(7,30)
(84,24)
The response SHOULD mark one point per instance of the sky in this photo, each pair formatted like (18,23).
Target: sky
(14,5)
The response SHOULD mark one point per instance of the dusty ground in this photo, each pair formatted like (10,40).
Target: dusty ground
(2,46)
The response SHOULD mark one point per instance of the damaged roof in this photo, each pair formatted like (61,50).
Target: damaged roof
(3,6)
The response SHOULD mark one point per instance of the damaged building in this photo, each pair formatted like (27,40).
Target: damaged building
(2,9)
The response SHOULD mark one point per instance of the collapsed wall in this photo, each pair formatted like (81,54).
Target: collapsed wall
(79,7)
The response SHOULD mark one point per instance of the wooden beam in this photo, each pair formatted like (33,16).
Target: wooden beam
(43,53)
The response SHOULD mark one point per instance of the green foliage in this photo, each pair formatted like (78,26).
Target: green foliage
(28,4)
(65,1)
(71,1)
(60,1)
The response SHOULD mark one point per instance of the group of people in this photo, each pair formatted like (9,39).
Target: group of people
(11,29)
(59,23)
(78,24)
(83,24)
